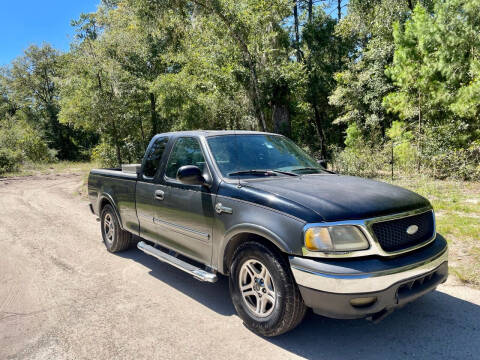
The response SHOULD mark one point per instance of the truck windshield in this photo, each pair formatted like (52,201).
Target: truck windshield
(258,155)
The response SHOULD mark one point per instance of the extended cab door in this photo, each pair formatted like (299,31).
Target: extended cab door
(184,217)
(146,198)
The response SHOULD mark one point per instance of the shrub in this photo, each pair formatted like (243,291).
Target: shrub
(10,160)
(449,153)
(365,162)
(359,158)
(404,152)
(34,148)
(463,164)
(105,155)
(354,138)
(20,142)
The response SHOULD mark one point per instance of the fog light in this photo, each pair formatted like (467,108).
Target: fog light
(363,302)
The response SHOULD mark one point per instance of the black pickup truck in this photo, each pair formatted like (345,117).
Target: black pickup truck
(289,234)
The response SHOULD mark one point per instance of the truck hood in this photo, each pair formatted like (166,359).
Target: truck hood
(339,197)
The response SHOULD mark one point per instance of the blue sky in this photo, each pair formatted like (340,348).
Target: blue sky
(26,22)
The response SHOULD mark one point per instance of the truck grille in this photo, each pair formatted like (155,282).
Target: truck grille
(392,234)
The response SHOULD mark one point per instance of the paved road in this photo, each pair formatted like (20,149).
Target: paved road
(63,296)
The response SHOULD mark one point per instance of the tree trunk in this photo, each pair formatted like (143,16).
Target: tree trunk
(256,96)
(410,5)
(310,10)
(144,141)
(281,119)
(116,142)
(320,132)
(297,33)
(57,133)
(153,115)
(119,154)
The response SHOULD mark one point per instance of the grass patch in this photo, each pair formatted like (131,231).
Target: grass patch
(60,167)
(457,209)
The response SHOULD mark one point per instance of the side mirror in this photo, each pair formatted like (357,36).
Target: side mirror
(191,175)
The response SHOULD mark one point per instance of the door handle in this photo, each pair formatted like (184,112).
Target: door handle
(219,208)
(159,195)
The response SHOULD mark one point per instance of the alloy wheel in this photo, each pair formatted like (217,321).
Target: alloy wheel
(257,288)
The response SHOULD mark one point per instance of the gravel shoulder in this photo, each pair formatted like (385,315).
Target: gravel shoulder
(63,296)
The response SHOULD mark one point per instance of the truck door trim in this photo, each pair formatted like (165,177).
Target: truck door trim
(198,235)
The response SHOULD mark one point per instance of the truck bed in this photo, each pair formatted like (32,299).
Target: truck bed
(122,186)
(115,172)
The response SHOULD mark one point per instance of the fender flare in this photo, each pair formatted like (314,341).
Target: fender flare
(247,228)
(109,199)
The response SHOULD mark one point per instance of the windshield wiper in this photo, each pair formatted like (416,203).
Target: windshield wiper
(316,169)
(285,172)
(261,172)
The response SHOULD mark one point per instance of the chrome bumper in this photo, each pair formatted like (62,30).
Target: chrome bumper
(340,278)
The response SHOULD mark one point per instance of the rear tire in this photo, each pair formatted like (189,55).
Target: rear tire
(264,291)
(114,238)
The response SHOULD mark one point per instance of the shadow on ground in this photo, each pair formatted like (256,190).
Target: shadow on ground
(435,326)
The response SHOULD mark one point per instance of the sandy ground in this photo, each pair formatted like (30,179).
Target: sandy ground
(63,296)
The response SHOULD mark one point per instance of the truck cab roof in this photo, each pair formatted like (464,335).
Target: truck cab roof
(207,133)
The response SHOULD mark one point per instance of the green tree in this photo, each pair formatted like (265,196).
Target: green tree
(434,68)
(324,55)
(411,70)
(30,92)
(254,44)
(97,94)
(363,84)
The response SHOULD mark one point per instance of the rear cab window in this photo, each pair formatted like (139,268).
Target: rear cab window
(153,158)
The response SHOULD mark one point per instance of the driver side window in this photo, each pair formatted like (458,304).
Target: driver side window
(186,151)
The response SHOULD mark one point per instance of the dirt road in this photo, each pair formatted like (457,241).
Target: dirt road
(63,296)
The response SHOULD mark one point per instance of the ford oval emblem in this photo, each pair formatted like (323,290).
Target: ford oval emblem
(412,229)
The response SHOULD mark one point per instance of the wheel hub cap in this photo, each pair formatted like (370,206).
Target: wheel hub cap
(257,288)
(109,228)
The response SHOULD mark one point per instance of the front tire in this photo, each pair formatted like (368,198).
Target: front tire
(114,238)
(263,290)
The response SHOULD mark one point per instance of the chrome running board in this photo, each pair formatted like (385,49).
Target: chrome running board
(196,272)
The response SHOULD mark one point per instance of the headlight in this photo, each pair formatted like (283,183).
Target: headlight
(335,238)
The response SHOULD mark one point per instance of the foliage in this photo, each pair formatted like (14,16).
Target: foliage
(433,68)
(363,161)
(29,90)
(401,140)
(362,84)
(20,142)
(325,54)
(360,157)
(10,160)
(104,155)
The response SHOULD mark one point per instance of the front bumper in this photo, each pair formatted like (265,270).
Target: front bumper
(331,286)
